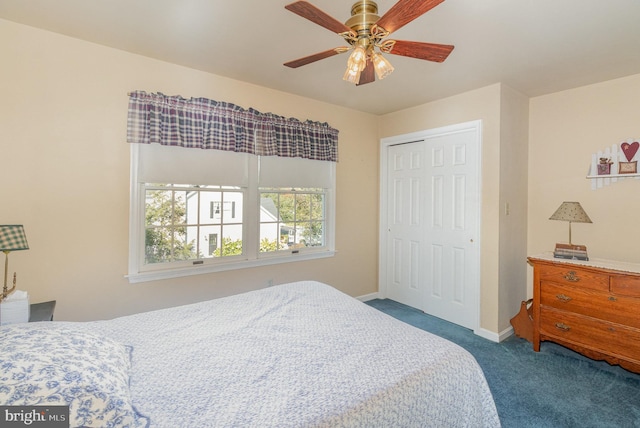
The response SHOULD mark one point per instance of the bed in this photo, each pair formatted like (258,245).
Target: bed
(295,355)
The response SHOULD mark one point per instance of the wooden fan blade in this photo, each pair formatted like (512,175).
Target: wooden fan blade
(313,14)
(405,11)
(315,57)
(367,75)
(419,50)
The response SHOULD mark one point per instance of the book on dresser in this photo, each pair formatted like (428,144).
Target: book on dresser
(571,252)
(571,255)
(560,246)
(590,306)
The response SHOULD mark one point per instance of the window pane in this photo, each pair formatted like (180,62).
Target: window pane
(158,243)
(317,206)
(209,241)
(184,243)
(285,206)
(268,237)
(303,207)
(272,196)
(211,207)
(287,234)
(268,207)
(232,209)
(159,205)
(314,234)
(180,199)
(231,241)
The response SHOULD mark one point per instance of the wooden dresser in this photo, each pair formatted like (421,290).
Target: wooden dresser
(592,307)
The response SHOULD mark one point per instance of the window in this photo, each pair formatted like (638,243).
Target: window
(291,218)
(197,211)
(179,227)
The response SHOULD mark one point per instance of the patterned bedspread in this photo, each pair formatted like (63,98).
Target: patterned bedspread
(296,355)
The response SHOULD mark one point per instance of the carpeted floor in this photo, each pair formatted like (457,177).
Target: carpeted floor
(555,387)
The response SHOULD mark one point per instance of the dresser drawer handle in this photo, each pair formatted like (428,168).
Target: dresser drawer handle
(613,298)
(571,276)
(562,326)
(563,298)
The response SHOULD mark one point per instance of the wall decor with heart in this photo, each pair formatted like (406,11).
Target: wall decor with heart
(629,150)
(614,163)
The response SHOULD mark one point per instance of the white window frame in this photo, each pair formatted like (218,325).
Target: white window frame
(138,272)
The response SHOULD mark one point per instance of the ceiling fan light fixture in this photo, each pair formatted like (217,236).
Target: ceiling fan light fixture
(356,63)
(352,75)
(382,66)
(358,58)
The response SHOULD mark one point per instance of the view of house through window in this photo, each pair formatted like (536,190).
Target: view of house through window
(192,222)
(189,222)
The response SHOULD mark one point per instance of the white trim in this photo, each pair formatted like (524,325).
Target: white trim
(367,297)
(134,208)
(494,337)
(211,268)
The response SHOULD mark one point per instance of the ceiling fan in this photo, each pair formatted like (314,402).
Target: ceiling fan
(365,31)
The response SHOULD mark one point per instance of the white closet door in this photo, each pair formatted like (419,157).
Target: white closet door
(405,213)
(431,209)
(453,279)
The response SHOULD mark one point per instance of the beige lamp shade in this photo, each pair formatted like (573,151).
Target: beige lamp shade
(571,212)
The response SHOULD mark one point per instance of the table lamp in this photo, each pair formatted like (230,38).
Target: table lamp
(12,238)
(571,212)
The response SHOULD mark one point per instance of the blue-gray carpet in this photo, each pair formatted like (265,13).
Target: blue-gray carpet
(555,387)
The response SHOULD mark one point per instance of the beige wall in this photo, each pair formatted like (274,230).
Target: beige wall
(63,110)
(566,128)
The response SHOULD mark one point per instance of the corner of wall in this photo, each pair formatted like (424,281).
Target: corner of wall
(514,147)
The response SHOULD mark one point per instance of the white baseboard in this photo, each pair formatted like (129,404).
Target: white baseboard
(494,337)
(368,297)
(486,334)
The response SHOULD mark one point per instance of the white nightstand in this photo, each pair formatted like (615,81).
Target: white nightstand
(42,311)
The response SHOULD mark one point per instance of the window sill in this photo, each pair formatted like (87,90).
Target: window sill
(204,269)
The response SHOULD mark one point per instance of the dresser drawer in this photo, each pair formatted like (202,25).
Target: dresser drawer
(626,285)
(604,336)
(570,275)
(594,303)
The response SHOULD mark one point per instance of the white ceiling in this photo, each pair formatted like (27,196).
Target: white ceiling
(534,46)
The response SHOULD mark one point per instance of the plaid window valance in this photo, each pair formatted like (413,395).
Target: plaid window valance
(208,124)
